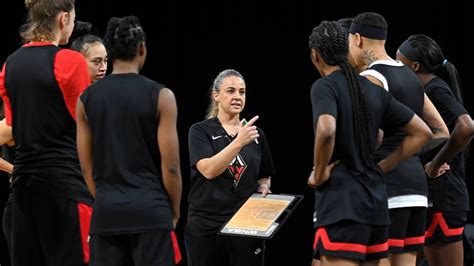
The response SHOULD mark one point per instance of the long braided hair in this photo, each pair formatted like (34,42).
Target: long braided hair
(330,40)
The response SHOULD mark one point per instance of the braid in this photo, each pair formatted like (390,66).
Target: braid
(361,114)
(330,40)
(123,36)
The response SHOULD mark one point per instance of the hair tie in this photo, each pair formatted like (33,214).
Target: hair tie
(445,61)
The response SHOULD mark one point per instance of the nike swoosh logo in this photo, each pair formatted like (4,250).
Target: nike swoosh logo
(216,137)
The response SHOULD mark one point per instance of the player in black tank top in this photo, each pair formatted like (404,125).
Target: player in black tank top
(449,200)
(347,112)
(406,184)
(128,147)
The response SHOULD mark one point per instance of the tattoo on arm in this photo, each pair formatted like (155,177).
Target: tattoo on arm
(434,124)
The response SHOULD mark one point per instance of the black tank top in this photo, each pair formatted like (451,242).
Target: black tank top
(409,176)
(122,112)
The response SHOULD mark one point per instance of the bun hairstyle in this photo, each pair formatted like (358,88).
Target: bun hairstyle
(82,28)
(83,36)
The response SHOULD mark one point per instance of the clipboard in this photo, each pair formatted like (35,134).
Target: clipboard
(261,217)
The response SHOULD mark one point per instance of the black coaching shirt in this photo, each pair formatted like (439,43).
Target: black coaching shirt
(40,84)
(213,202)
(354,191)
(448,192)
(409,177)
(130,198)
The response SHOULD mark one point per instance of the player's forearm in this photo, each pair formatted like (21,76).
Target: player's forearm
(6,166)
(214,166)
(173,185)
(460,139)
(323,152)
(90,182)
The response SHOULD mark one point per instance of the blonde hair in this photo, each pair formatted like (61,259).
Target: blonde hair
(213,108)
(41,19)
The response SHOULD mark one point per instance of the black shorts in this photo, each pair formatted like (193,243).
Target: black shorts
(445,227)
(406,232)
(218,250)
(54,230)
(150,248)
(7,222)
(351,240)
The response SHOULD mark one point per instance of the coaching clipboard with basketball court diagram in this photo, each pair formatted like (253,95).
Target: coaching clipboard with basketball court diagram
(261,217)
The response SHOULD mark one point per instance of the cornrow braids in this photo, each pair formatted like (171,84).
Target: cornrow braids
(330,40)
(346,23)
(432,60)
(123,36)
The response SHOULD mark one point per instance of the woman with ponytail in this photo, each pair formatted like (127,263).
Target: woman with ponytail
(448,196)
(40,84)
(85,40)
(230,160)
(351,201)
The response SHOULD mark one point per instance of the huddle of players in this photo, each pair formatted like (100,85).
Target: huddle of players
(416,167)
(358,168)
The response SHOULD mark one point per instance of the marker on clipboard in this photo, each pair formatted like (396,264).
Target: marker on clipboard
(244,122)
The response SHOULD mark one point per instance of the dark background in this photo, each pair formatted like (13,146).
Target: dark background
(189,43)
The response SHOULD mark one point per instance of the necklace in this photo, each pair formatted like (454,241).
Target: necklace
(230,129)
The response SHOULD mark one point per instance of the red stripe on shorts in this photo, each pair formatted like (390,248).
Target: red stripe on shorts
(438,219)
(321,234)
(177,252)
(85,213)
(393,242)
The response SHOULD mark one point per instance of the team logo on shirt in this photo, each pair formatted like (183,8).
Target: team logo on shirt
(237,167)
